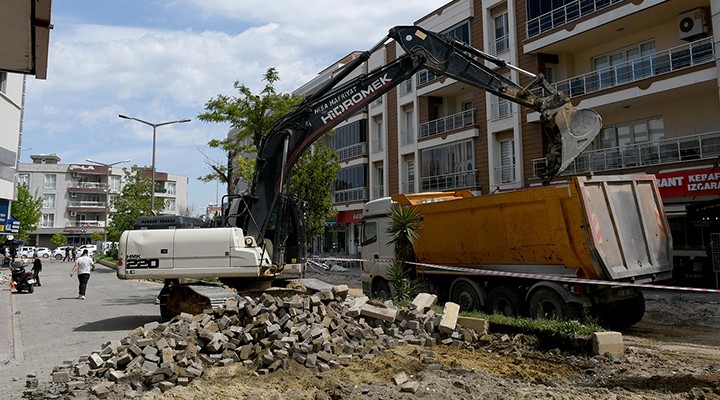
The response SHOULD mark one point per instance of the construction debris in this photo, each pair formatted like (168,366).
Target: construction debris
(321,331)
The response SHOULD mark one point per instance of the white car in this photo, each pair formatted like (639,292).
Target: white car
(26,251)
(91,248)
(59,253)
(43,252)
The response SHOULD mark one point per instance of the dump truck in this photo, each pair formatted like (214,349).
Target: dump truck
(548,252)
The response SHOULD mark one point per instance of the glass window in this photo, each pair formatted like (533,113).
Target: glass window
(47,221)
(369,233)
(502,33)
(656,128)
(24,179)
(50,181)
(348,135)
(48,200)
(650,130)
(170,186)
(115,183)
(447,159)
(350,178)
(170,204)
(460,32)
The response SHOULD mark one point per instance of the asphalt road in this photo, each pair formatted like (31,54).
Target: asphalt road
(41,330)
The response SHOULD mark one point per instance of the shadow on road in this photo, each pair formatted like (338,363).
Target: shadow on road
(122,323)
(130,300)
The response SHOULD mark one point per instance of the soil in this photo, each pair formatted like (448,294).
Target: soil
(673,353)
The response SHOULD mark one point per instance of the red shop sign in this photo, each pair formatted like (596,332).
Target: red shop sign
(346,217)
(689,183)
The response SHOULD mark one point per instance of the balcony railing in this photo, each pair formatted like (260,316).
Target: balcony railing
(87,204)
(425,76)
(377,146)
(687,148)
(458,180)
(505,174)
(348,195)
(378,191)
(408,187)
(676,58)
(85,224)
(407,137)
(564,14)
(500,45)
(88,185)
(406,87)
(352,151)
(501,110)
(449,123)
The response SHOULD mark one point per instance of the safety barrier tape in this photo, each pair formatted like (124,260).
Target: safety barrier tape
(556,278)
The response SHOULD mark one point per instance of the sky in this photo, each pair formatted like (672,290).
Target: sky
(162,61)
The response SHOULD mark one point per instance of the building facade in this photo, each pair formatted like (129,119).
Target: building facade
(12,90)
(650,68)
(77,198)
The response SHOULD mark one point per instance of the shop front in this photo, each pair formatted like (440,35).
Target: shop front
(692,204)
(339,238)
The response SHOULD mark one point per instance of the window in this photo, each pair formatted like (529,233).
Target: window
(170,204)
(380,182)
(624,65)
(460,32)
(409,186)
(348,135)
(408,134)
(47,221)
(502,34)
(24,179)
(351,184)
(507,161)
(3,82)
(646,131)
(378,135)
(115,183)
(449,166)
(170,186)
(369,233)
(48,200)
(50,181)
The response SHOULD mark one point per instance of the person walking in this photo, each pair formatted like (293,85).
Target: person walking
(67,254)
(84,265)
(36,268)
(73,253)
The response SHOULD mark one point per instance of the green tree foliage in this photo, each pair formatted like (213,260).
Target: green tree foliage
(134,201)
(251,115)
(96,236)
(313,183)
(27,210)
(405,226)
(58,239)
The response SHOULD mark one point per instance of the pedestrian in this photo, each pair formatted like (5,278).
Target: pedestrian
(36,268)
(67,254)
(84,265)
(73,254)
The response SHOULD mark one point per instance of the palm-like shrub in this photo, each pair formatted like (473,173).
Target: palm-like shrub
(405,226)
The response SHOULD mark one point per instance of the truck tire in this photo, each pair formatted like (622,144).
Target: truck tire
(506,301)
(625,313)
(467,294)
(381,290)
(545,303)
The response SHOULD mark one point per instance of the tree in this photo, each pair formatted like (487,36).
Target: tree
(252,116)
(27,210)
(405,226)
(317,170)
(134,201)
(58,239)
(97,236)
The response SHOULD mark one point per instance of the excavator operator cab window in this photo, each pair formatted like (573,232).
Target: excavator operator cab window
(369,233)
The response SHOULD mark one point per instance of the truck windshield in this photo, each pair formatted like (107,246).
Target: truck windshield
(369,232)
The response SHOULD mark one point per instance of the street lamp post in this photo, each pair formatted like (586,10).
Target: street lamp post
(107,191)
(154,126)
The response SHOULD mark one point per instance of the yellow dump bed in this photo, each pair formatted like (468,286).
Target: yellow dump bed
(602,227)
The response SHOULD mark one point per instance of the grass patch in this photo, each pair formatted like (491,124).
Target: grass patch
(568,329)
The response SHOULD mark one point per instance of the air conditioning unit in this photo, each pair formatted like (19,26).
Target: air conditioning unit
(73,213)
(74,174)
(73,194)
(693,24)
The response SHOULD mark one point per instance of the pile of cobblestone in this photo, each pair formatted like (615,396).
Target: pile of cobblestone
(322,330)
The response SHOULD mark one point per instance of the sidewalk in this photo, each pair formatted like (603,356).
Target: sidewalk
(7,342)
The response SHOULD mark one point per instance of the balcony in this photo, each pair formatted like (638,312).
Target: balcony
(406,87)
(408,187)
(446,124)
(500,45)
(704,146)
(663,62)
(85,224)
(377,146)
(87,187)
(378,191)
(504,175)
(86,205)
(349,195)
(564,14)
(407,137)
(352,151)
(457,180)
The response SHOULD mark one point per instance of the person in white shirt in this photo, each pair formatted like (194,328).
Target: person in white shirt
(84,265)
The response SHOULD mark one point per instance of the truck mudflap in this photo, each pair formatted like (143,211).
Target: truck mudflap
(629,229)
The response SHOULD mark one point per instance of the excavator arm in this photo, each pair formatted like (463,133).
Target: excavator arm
(268,204)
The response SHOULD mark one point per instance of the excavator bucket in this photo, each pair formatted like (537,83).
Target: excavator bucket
(574,130)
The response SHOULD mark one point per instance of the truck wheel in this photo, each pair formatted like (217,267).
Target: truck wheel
(381,290)
(547,304)
(467,294)
(506,301)
(625,313)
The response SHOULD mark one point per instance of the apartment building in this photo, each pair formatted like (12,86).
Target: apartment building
(77,198)
(12,87)
(648,67)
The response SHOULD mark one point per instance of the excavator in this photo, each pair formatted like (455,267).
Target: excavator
(263,236)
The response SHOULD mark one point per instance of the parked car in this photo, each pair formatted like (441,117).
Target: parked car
(59,253)
(91,248)
(43,252)
(26,251)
